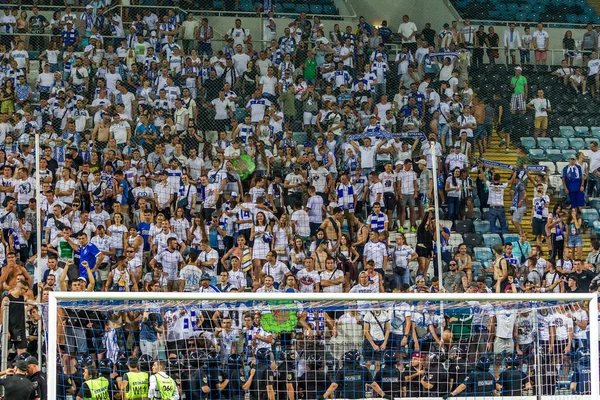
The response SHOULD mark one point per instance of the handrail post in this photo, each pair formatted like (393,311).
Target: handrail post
(5,319)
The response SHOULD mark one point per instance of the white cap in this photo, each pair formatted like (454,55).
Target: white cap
(399,163)
(89,7)
(518,68)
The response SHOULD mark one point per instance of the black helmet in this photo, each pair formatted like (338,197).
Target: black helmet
(287,355)
(23,356)
(456,352)
(106,363)
(174,365)
(84,361)
(512,360)
(263,353)
(212,358)
(146,362)
(435,358)
(196,359)
(483,363)
(122,365)
(315,362)
(390,357)
(352,357)
(235,361)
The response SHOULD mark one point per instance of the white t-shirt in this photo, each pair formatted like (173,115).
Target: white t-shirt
(541,38)
(221,108)
(562,325)
(594,66)
(406,29)
(307,280)
(268,84)
(540,104)
(505,322)
(328,276)
(376,323)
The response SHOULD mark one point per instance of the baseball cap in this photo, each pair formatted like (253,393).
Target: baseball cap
(205,277)
(31,360)
(456,146)
(215,215)
(234,194)
(89,7)
(517,68)
(22,365)
(399,163)
(422,162)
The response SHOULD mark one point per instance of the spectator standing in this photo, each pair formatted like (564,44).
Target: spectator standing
(512,41)
(495,201)
(408,31)
(541,44)
(573,183)
(519,96)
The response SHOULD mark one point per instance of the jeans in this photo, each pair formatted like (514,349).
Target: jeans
(497,214)
(453,208)
(402,277)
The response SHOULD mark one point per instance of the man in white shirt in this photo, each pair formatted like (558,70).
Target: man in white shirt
(594,173)
(541,44)
(541,105)
(240,60)
(275,268)
(593,79)
(240,35)
(408,31)
(512,41)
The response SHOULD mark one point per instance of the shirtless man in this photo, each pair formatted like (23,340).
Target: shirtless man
(8,279)
(333,226)
(101,133)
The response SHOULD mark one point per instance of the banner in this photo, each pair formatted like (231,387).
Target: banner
(443,54)
(386,135)
(501,165)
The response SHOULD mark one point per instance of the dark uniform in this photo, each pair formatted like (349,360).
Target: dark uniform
(413,386)
(286,375)
(437,376)
(17,387)
(351,380)
(479,383)
(512,381)
(582,376)
(389,379)
(41,387)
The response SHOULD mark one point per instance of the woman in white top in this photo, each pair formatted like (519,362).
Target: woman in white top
(180,225)
(117,231)
(197,234)
(453,194)
(282,235)
(262,238)
(297,255)
(135,240)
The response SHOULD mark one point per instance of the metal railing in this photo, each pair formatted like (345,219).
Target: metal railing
(565,25)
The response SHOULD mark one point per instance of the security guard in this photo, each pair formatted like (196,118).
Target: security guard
(134,384)
(16,384)
(389,377)
(353,379)
(96,386)
(38,378)
(478,383)
(315,381)
(161,386)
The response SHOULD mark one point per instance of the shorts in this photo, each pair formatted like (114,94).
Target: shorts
(591,79)
(407,200)
(518,214)
(389,201)
(506,346)
(517,102)
(423,252)
(18,339)
(479,132)
(76,340)
(540,123)
(538,226)
(541,55)
(220,125)
(103,270)
(309,119)
(577,199)
(574,241)
(369,354)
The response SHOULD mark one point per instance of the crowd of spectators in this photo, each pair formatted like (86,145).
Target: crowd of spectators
(143,136)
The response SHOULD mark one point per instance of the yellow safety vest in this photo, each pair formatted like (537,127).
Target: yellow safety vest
(166,386)
(98,389)
(137,385)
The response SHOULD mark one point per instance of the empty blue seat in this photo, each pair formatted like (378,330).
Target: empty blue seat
(536,154)
(482,254)
(589,216)
(588,141)
(576,143)
(567,154)
(544,143)
(492,239)
(595,203)
(554,155)
(246,7)
(582,130)
(595,130)
(302,8)
(476,267)
(329,9)
(217,4)
(495,14)
(583,18)
(288,7)
(510,237)
(481,227)
(589,11)
(316,9)
(527,142)
(300,137)
(566,131)
(596,19)
(561,143)
(572,18)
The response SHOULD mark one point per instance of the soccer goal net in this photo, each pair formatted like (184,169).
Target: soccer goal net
(287,346)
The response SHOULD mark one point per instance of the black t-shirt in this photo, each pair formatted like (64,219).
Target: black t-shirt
(390,381)
(16,321)
(351,381)
(479,383)
(17,387)
(237,379)
(314,384)
(39,380)
(438,377)
(512,381)
(63,383)
(585,278)
(286,373)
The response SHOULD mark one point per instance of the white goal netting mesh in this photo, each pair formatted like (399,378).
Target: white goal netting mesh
(272,350)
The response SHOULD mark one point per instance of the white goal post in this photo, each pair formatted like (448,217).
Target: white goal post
(184,299)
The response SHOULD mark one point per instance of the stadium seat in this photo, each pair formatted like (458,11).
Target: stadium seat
(476,267)
(554,155)
(550,166)
(589,215)
(536,154)
(246,7)
(576,143)
(455,239)
(446,224)
(588,142)
(560,166)
(464,226)
(545,143)
(572,18)
(595,203)
(300,137)
(302,8)
(527,142)
(561,143)
(329,9)
(288,7)
(476,211)
(510,237)
(481,227)
(567,154)
(482,254)
(491,239)
(566,131)
(595,130)
(411,239)
(582,130)
(472,240)
(316,9)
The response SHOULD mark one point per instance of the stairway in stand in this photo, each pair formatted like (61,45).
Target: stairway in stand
(498,153)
